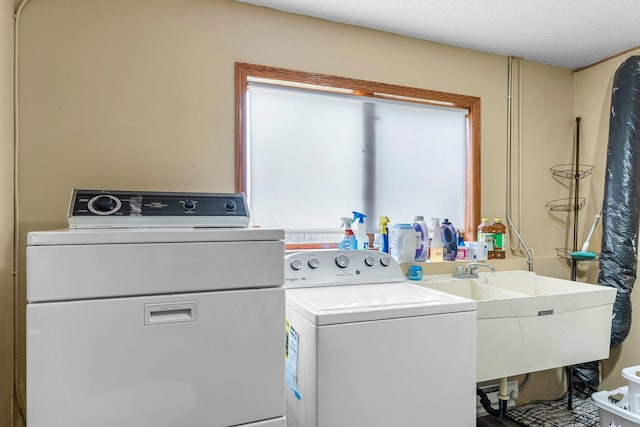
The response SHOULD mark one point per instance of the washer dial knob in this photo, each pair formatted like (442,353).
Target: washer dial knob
(104,204)
(313,262)
(189,204)
(230,205)
(385,261)
(369,260)
(342,261)
(296,264)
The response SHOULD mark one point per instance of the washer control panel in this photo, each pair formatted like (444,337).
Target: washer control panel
(336,267)
(131,209)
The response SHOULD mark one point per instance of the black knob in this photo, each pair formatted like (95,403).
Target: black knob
(189,204)
(230,205)
(104,203)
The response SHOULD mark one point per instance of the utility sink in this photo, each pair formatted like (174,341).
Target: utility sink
(529,323)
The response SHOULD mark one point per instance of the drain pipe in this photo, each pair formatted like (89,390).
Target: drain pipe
(512,226)
(503,400)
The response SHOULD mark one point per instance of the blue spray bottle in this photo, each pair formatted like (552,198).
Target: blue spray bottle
(349,240)
(359,229)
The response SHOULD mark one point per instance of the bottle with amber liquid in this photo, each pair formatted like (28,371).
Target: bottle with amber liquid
(499,232)
(485,235)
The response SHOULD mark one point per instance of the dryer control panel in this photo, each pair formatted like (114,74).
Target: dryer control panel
(336,267)
(138,209)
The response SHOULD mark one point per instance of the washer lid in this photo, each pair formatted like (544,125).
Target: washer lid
(361,303)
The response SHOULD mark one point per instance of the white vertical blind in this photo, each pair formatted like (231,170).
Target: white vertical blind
(307,153)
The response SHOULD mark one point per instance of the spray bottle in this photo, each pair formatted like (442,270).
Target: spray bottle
(362,240)
(436,242)
(384,233)
(349,240)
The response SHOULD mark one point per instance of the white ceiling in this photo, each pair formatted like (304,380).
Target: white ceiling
(566,33)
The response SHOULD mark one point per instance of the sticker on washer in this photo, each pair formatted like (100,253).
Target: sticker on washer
(291,357)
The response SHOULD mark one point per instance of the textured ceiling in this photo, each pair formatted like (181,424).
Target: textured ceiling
(565,33)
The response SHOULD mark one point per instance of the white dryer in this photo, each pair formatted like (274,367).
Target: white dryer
(155,327)
(368,349)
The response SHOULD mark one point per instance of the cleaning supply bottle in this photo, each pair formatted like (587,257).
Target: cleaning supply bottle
(422,238)
(499,231)
(462,248)
(485,235)
(349,240)
(436,250)
(449,240)
(384,233)
(360,231)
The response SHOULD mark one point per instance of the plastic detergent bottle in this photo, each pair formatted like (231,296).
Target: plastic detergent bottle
(360,231)
(384,233)
(485,235)
(462,248)
(349,240)
(436,242)
(499,231)
(422,238)
(449,241)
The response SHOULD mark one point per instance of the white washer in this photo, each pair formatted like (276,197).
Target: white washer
(367,348)
(151,328)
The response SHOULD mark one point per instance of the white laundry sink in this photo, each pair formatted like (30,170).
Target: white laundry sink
(528,323)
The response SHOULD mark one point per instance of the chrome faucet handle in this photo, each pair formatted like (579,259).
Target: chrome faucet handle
(461,271)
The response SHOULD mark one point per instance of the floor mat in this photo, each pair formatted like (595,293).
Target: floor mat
(554,413)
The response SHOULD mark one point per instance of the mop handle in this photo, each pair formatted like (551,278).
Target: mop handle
(585,246)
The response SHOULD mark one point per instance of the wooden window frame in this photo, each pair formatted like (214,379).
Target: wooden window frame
(328,83)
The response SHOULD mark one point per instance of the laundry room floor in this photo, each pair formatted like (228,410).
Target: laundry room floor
(549,413)
(490,421)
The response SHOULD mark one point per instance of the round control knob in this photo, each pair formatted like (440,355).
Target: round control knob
(385,261)
(342,261)
(104,203)
(296,264)
(369,260)
(313,262)
(189,204)
(230,205)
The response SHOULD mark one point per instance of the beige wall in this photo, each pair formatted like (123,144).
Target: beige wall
(139,94)
(6,212)
(592,103)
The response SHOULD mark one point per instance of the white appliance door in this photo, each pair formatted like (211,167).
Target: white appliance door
(408,372)
(203,359)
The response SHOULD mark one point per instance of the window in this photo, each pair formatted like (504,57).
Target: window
(312,148)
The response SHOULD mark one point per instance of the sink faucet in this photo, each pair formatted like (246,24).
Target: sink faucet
(471,270)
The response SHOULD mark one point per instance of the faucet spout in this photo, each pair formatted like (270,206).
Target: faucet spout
(473,267)
(471,270)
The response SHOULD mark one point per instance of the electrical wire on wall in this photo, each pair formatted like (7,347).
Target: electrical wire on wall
(19,398)
(509,190)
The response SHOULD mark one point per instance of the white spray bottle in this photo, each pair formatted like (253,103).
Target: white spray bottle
(349,240)
(437,251)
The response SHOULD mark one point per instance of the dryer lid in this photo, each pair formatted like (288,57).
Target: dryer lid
(361,303)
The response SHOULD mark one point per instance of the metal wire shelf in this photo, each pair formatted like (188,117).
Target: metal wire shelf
(565,253)
(566,205)
(568,171)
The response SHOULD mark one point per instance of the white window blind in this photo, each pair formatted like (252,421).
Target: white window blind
(315,157)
